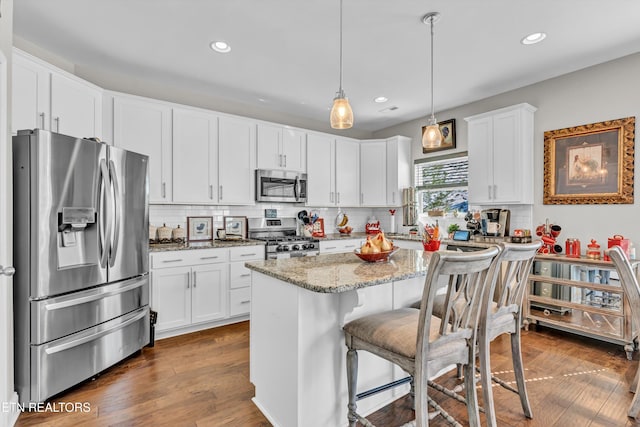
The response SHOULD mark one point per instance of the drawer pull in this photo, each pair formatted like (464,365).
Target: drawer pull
(172,260)
(209,257)
(350,246)
(245,275)
(248,254)
(245,301)
(330,247)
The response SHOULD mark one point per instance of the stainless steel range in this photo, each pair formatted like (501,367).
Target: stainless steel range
(282,240)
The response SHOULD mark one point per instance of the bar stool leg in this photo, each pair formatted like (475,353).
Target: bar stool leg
(352,380)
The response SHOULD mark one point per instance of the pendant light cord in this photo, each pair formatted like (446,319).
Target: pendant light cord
(431,27)
(341,92)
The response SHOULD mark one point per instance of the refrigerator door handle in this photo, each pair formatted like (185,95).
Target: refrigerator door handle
(80,341)
(103,211)
(117,199)
(100,293)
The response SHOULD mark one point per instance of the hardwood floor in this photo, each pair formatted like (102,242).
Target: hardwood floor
(202,379)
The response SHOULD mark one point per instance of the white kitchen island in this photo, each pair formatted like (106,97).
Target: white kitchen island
(298,307)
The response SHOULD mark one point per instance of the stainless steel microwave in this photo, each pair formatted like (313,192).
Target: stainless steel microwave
(281,186)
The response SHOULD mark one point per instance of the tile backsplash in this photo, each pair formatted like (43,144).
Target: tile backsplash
(174,215)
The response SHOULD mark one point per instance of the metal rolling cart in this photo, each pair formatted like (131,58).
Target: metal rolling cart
(582,296)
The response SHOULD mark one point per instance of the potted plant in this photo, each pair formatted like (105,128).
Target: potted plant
(452,229)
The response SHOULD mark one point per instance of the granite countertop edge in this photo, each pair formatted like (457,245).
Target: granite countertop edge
(215,244)
(334,289)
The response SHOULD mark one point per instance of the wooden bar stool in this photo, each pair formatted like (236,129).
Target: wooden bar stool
(502,314)
(421,344)
(631,288)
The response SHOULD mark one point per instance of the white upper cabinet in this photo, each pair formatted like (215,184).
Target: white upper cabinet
(500,147)
(280,147)
(31,99)
(195,156)
(399,168)
(76,107)
(320,170)
(47,98)
(373,173)
(237,161)
(144,126)
(347,172)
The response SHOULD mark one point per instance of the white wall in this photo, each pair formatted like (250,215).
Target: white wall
(603,92)
(8,397)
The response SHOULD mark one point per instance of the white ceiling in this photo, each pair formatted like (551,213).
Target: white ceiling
(286,52)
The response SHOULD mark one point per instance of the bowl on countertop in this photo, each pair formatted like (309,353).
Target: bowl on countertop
(377,257)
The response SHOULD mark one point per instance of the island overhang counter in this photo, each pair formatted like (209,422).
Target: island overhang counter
(297,349)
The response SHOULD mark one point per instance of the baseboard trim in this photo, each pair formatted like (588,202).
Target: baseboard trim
(199,327)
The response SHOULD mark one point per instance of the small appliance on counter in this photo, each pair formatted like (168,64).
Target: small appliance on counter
(495,222)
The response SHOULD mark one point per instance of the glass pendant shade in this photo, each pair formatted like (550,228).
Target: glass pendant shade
(341,113)
(432,136)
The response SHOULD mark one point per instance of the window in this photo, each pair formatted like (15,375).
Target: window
(441,183)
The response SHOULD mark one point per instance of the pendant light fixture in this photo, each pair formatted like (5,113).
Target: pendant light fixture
(431,137)
(341,113)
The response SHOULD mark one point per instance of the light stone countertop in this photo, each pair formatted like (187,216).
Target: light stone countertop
(214,244)
(363,236)
(335,273)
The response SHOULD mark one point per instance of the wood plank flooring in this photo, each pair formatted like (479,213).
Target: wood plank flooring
(202,379)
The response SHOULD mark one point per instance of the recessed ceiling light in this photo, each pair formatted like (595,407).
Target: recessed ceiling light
(220,46)
(533,38)
(380,99)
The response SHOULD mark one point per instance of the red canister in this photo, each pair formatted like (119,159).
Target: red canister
(572,248)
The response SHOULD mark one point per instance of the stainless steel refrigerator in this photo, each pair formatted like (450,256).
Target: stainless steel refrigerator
(81,233)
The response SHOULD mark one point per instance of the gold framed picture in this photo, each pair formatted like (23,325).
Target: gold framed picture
(590,164)
(448,130)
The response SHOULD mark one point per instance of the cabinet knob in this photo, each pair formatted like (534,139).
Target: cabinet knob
(7,271)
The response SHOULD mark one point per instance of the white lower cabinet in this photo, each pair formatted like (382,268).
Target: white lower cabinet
(339,246)
(240,278)
(202,288)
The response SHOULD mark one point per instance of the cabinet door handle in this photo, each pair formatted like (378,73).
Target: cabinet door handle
(331,196)
(248,254)
(209,257)
(349,246)
(393,197)
(330,247)
(245,275)
(285,160)
(280,160)
(194,279)
(42,119)
(221,192)
(495,191)
(57,121)
(164,190)
(245,301)
(172,260)
(362,198)
(489,188)
(211,191)
(188,281)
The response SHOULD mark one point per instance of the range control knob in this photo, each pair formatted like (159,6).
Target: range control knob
(296,247)
(285,248)
(311,245)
